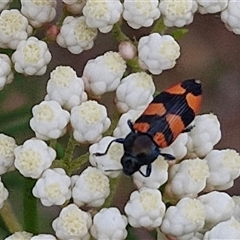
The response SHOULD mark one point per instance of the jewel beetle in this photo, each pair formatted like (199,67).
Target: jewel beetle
(168,115)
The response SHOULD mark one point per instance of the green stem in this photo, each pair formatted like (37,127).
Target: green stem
(72,143)
(133,63)
(159,27)
(77,163)
(118,34)
(30,207)
(9,218)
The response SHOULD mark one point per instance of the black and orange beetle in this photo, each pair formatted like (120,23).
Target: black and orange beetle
(168,115)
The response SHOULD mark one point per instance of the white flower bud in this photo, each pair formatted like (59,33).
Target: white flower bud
(33,157)
(7,146)
(140,14)
(90,188)
(103,74)
(38,12)
(109,224)
(127,50)
(89,121)
(157,53)
(53,188)
(230,16)
(19,235)
(212,6)
(3,194)
(224,167)
(102,14)
(145,208)
(187,217)
(219,207)
(75,35)
(49,120)
(65,87)
(143,86)
(177,13)
(6,74)
(74,6)
(109,161)
(236,210)
(72,223)
(14,27)
(204,135)
(159,175)
(31,57)
(43,237)
(187,178)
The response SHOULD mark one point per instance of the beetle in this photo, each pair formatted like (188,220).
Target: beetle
(168,115)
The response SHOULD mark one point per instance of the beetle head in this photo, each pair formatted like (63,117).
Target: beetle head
(130,164)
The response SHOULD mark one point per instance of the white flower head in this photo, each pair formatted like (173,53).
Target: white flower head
(74,6)
(224,167)
(76,35)
(3,194)
(219,206)
(103,74)
(90,188)
(43,237)
(7,146)
(177,13)
(33,157)
(187,217)
(236,210)
(230,16)
(157,53)
(102,14)
(38,12)
(111,160)
(4,4)
(122,129)
(212,6)
(203,136)
(109,224)
(31,57)
(187,178)
(143,86)
(72,223)
(145,208)
(53,187)
(6,74)
(65,87)
(139,13)
(89,120)
(20,235)
(229,229)
(159,175)
(14,27)
(49,120)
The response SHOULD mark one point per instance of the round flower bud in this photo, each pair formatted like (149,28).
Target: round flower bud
(53,188)
(203,136)
(14,27)
(103,74)
(212,6)
(33,157)
(72,223)
(127,50)
(89,121)
(74,6)
(110,163)
(65,87)
(43,237)
(187,217)
(219,207)
(38,12)
(76,35)
(140,14)
(143,86)
(109,224)
(49,120)
(6,74)
(7,146)
(102,14)
(177,13)
(19,235)
(224,167)
(157,53)
(31,57)
(90,188)
(145,208)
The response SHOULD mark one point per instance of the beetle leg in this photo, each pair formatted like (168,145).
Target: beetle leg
(188,128)
(148,170)
(167,156)
(130,125)
(117,140)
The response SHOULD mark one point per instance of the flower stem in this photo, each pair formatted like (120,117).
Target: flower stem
(159,27)
(69,150)
(118,34)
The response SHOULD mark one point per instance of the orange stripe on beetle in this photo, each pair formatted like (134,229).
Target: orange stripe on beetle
(176,89)
(155,109)
(194,102)
(176,124)
(160,139)
(141,127)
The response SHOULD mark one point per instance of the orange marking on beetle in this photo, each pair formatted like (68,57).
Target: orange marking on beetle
(176,89)
(194,102)
(141,127)
(155,109)
(159,139)
(176,124)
